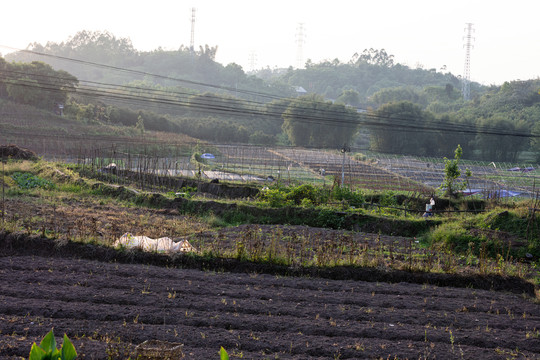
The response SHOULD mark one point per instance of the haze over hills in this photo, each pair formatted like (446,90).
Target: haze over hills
(188,91)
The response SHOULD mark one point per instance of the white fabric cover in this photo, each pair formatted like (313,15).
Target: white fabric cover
(163,244)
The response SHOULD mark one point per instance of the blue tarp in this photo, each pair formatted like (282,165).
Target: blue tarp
(207,156)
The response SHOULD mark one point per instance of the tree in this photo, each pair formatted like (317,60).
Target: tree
(535,142)
(260,138)
(140,124)
(23,90)
(211,103)
(395,94)
(349,97)
(374,57)
(311,121)
(504,147)
(452,173)
(208,52)
(233,74)
(296,124)
(397,128)
(38,84)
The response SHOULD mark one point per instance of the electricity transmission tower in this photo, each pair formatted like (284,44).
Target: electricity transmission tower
(252,60)
(466,80)
(192,42)
(300,41)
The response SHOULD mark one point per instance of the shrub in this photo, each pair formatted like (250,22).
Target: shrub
(274,197)
(237,217)
(306,191)
(359,157)
(453,235)
(329,219)
(306,203)
(388,198)
(260,138)
(354,198)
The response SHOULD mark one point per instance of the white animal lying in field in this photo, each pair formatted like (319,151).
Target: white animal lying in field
(163,244)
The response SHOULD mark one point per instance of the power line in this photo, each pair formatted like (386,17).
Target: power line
(326,117)
(110,92)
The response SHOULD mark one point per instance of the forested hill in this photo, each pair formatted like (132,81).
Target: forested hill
(365,73)
(103,58)
(400,110)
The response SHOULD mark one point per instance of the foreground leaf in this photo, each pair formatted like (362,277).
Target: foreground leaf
(68,350)
(223,354)
(36,353)
(48,344)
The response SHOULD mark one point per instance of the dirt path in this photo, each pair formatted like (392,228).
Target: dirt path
(109,308)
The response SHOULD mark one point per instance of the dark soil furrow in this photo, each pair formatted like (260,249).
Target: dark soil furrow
(108,308)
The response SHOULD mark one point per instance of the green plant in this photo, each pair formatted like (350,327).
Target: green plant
(306,191)
(452,173)
(388,198)
(354,198)
(274,197)
(452,235)
(306,203)
(214,221)
(223,354)
(47,349)
(30,181)
(328,219)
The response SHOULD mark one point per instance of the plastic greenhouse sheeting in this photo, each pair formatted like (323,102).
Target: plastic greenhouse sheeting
(491,194)
(163,244)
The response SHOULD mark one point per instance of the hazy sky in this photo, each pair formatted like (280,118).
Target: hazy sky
(429,33)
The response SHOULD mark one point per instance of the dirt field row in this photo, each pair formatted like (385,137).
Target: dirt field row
(108,308)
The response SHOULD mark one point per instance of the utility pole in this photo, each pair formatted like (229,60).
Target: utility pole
(466,80)
(3,189)
(344,150)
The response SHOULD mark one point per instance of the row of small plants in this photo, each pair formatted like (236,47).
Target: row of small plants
(307,249)
(47,349)
(309,195)
(341,199)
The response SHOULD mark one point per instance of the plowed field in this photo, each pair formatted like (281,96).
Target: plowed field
(107,308)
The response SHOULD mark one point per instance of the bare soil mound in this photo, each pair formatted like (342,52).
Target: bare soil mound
(17,153)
